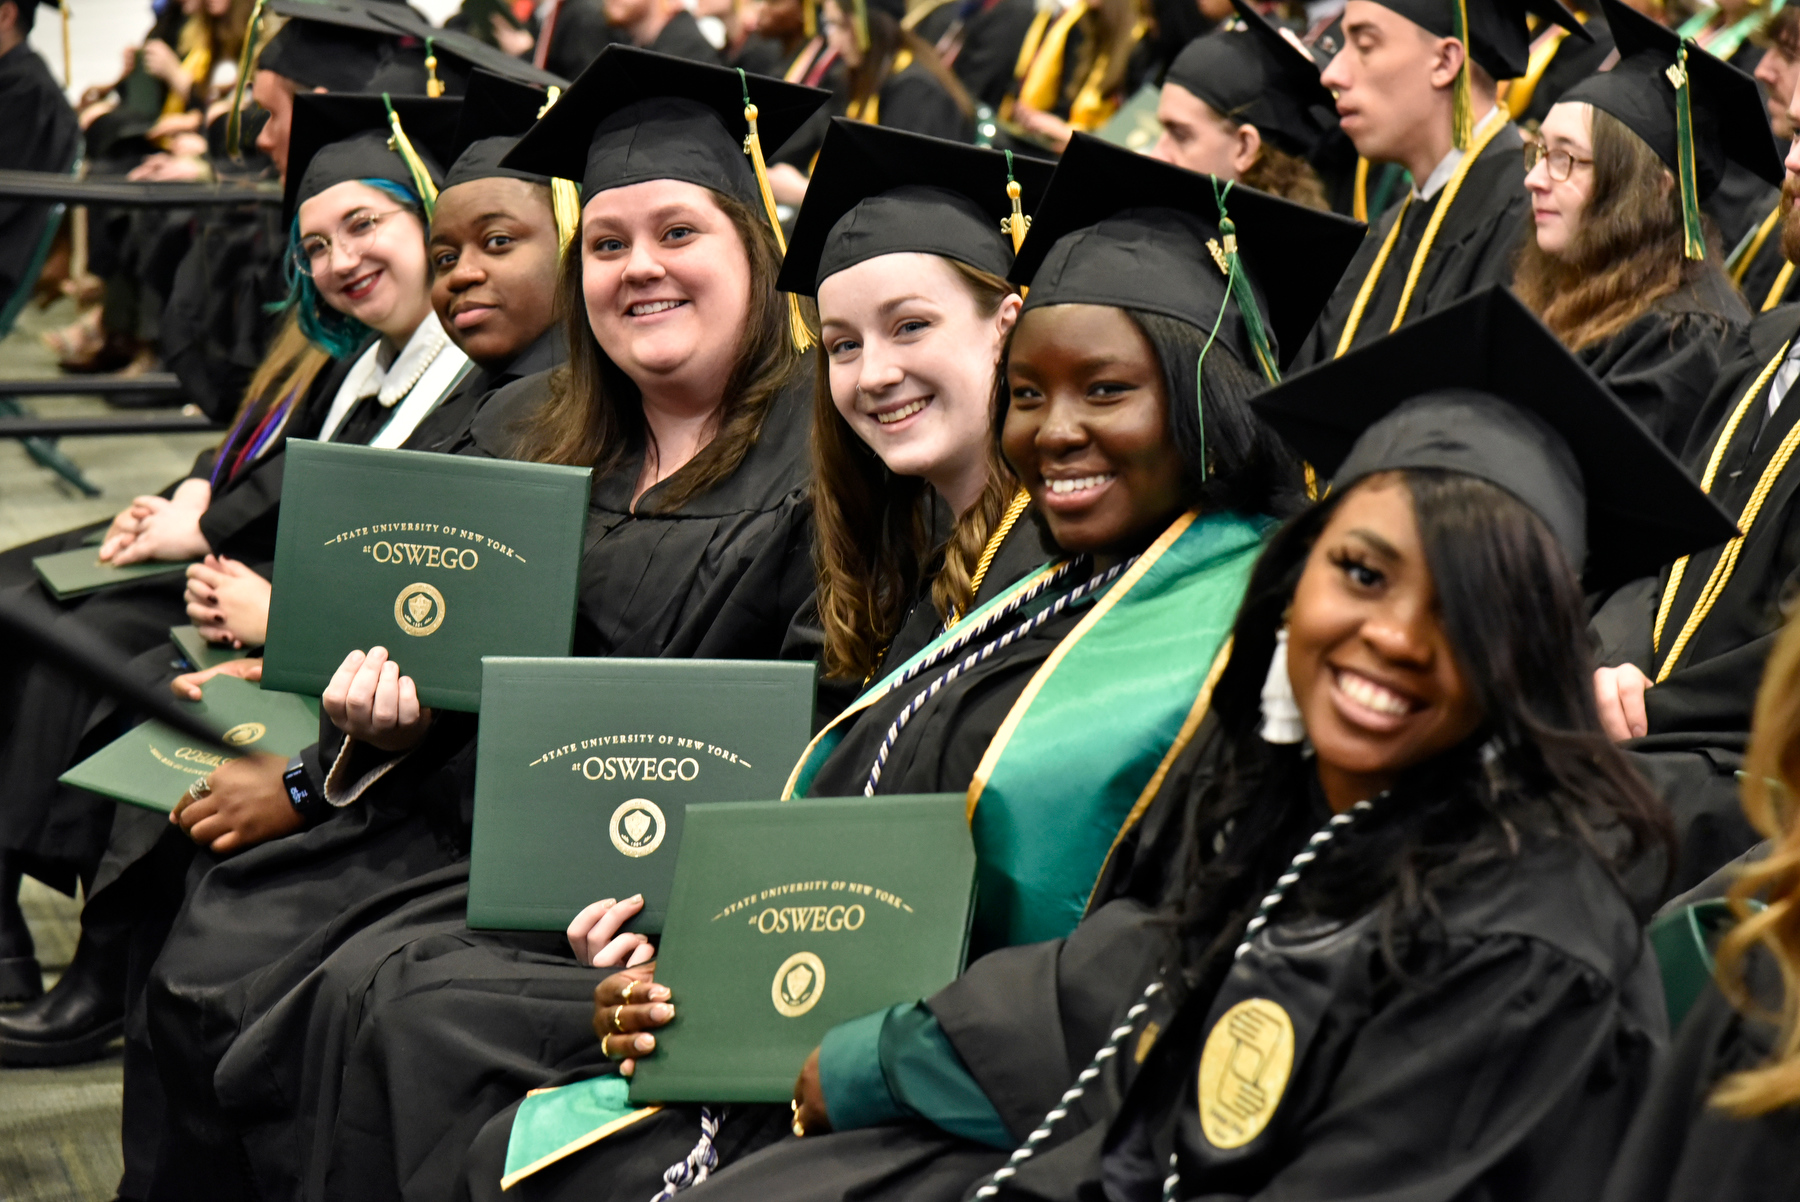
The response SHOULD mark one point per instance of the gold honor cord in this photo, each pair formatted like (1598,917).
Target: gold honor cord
(1014,509)
(1520,91)
(1740,263)
(234,124)
(565,198)
(1778,288)
(797,330)
(1703,603)
(1359,199)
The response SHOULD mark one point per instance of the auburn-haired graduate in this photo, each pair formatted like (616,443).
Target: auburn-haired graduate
(1396,955)
(686,391)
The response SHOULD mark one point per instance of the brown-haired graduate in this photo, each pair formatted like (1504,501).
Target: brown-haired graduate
(1245,103)
(1395,958)
(892,76)
(411,1048)
(1722,1117)
(1415,86)
(1683,648)
(1121,408)
(1623,266)
(1076,67)
(688,392)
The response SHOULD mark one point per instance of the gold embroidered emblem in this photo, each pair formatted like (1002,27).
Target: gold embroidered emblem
(243,734)
(799,983)
(1244,1069)
(637,827)
(419,609)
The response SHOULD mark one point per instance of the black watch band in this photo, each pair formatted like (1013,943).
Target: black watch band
(308,799)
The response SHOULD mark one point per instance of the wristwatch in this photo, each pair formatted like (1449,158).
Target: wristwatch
(309,801)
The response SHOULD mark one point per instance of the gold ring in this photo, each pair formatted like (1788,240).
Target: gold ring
(628,988)
(615,1019)
(201,787)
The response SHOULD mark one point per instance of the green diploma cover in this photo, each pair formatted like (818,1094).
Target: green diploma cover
(200,653)
(789,918)
(441,559)
(152,766)
(75,573)
(586,767)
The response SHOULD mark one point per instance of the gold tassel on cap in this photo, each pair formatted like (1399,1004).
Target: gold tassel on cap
(400,144)
(802,336)
(1463,103)
(565,198)
(434,87)
(1018,224)
(234,124)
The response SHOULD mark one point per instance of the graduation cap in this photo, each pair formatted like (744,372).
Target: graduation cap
(1693,109)
(1261,75)
(449,56)
(337,46)
(495,112)
(1494,33)
(335,139)
(1482,388)
(636,116)
(877,191)
(1122,229)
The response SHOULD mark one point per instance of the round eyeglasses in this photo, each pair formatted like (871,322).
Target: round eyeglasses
(353,237)
(1559,163)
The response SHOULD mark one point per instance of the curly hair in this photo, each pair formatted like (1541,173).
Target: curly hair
(1288,176)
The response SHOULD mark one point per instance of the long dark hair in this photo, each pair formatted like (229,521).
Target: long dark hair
(595,414)
(1231,460)
(887,38)
(1538,763)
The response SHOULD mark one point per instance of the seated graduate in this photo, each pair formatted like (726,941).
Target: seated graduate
(1615,270)
(1700,629)
(1077,65)
(977,39)
(1722,1117)
(225,509)
(1757,265)
(1414,91)
(900,242)
(1245,103)
(892,76)
(1122,410)
(1397,958)
(687,391)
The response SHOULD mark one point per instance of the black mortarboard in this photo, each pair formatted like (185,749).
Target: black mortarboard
(1729,120)
(1122,229)
(458,54)
(1252,73)
(336,46)
(878,191)
(635,116)
(495,112)
(1482,388)
(1498,38)
(338,138)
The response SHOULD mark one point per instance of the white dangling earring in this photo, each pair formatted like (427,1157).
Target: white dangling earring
(1280,709)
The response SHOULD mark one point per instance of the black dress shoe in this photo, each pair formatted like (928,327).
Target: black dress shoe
(79,1018)
(20,980)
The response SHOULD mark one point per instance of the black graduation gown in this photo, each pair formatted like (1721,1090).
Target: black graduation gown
(914,100)
(1682,1150)
(985,36)
(1742,199)
(1762,271)
(449,429)
(682,38)
(719,577)
(438,1027)
(39,134)
(1506,1065)
(1663,364)
(1474,248)
(60,833)
(1699,717)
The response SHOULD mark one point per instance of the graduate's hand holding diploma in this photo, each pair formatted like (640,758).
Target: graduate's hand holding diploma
(187,685)
(627,1007)
(595,939)
(1619,692)
(371,702)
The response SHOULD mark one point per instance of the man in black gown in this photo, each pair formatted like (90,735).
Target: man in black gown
(39,134)
(1684,650)
(1398,80)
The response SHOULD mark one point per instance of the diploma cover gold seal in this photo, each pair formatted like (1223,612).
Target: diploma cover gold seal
(1244,1070)
(637,827)
(419,609)
(799,983)
(243,734)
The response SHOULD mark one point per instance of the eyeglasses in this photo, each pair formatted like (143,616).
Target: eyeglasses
(1559,163)
(353,237)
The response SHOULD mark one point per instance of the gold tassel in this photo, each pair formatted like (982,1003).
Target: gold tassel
(68,55)
(1463,102)
(434,87)
(565,197)
(234,124)
(802,336)
(400,144)
(1018,224)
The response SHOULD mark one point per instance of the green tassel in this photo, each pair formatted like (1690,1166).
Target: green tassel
(1462,113)
(234,124)
(1238,290)
(415,166)
(1693,242)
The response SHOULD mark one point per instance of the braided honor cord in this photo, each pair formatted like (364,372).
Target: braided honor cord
(1323,836)
(980,655)
(1000,614)
(699,1163)
(1107,1051)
